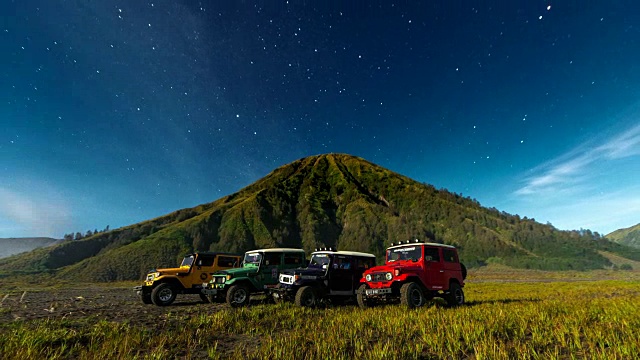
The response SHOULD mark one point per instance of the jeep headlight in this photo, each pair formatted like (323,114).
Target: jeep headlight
(152,276)
(388,276)
(368,277)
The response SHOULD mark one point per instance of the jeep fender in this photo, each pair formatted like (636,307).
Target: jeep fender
(410,278)
(320,286)
(240,281)
(453,280)
(169,280)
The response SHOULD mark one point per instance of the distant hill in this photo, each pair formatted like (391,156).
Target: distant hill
(629,236)
(333,200)
(11,246)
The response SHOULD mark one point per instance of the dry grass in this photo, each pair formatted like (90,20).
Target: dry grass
(510,318)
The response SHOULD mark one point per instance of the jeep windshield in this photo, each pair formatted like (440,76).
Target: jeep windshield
(252,259)
(413,253)
(319,261)
(187,261)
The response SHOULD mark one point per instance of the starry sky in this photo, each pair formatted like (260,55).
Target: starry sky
(115,112)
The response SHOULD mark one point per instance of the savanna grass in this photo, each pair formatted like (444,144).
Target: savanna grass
(554,320)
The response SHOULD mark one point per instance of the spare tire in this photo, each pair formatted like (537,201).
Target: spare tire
(464,271)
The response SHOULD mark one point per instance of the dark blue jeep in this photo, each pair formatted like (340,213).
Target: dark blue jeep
(330,277)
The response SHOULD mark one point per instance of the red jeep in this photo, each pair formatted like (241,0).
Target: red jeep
(414,272)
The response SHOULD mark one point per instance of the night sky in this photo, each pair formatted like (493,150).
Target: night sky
(115,112)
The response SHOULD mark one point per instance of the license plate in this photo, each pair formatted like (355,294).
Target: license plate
(209,291)
(377,291)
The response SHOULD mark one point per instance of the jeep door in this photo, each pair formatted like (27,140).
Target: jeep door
(341,278)
(201,270)
(270,269)
(361,265)
(451,265)
(433,268)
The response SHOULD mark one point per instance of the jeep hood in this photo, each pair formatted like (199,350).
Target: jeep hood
(305,271)
(390,267)
(238,272)
(180,270)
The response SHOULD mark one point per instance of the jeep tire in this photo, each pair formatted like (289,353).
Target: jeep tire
(163,294)
(455,295)
(411,295)
(146,298)
(238,295)
(306,297)
(361,298)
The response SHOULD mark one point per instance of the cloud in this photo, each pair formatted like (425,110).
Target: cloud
(576,167)
(38,215)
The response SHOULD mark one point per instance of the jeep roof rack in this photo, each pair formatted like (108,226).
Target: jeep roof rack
(418,242)
(277,250)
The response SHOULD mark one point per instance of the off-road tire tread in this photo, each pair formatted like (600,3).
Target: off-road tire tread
(450,296)
(405,295)
(302,293)
(232,290)
(154,294)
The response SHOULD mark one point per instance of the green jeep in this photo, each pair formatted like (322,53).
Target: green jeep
(258,274)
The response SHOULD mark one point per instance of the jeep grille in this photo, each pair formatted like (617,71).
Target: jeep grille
(286,279)
(378,277)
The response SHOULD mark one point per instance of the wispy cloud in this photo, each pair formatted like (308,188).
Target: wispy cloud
(593,186)
(27,216)
(572,169)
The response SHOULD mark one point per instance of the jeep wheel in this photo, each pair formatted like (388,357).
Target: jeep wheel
(411,295)
(362,298)
(238,295)
(163,295)
(306,297)
(146,298)
(455,295)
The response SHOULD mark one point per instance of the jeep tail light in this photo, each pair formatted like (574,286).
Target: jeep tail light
(388,276)
(368,277)
(296,278)
(397,272)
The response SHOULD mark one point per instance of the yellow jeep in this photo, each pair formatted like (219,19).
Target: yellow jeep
(162,285)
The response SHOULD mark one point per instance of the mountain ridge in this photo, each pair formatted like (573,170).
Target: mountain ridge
(335,200)
(12,246)
(626,236)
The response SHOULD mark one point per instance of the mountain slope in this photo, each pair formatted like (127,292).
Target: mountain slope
(12,246)
(629,236)
(326,200)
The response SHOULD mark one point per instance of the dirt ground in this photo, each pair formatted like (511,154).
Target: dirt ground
(118,304)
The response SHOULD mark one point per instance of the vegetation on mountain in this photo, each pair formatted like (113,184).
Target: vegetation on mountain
(629,236)
(333,200)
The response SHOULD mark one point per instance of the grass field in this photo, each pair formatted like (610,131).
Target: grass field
(534,316)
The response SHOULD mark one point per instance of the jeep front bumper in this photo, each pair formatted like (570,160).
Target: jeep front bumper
(283,292)
(375,292)
(142,289)
(208,291)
